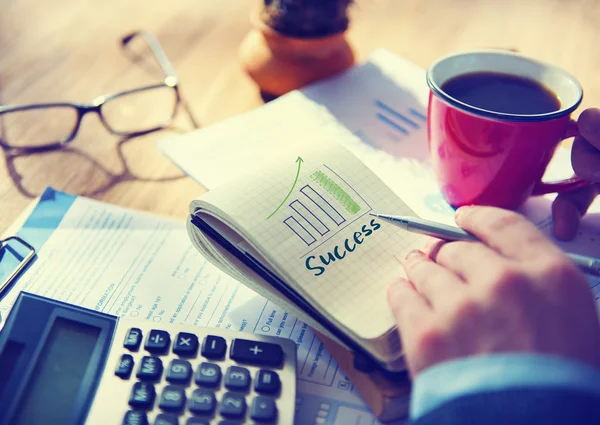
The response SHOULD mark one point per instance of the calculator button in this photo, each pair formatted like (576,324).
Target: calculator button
(142,395)
(186,344)
(133,339)
(256,352)
(233,405)
(157,341)
(179,371)
(267,382)
(214,347)
(133,417)
(125,366)
(164,419)
(150,368)
(197,421)
(172,398)
(237,378)
(202,401)
(263,409)
(208,374)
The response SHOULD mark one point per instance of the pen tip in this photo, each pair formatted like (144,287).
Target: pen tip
(374,215)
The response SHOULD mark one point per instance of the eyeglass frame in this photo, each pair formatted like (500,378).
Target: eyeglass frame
(171,80)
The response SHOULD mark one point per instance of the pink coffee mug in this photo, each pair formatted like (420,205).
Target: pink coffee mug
(484,157)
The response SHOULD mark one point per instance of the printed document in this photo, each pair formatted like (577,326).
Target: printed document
(133,264)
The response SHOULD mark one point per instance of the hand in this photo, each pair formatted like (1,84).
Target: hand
(569,207)
(515,292)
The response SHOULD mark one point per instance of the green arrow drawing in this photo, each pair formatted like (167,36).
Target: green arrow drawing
(299,161)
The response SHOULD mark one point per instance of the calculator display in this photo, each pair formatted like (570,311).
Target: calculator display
(54,386)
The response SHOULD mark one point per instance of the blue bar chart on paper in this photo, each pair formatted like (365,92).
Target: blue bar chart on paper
(397,123)
(401,122)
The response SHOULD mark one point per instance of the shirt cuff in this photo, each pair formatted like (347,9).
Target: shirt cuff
(452,379)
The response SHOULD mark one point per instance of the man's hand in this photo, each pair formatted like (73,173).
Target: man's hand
(514,292)
(569,207)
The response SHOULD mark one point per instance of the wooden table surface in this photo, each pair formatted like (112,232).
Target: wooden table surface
(68,50)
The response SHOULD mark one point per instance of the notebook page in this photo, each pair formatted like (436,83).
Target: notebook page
(309,215)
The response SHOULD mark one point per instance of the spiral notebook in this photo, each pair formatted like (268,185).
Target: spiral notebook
(298,230)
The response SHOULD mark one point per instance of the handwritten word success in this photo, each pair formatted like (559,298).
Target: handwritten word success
(319,264)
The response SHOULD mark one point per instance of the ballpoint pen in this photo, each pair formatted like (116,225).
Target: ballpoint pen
(586,264)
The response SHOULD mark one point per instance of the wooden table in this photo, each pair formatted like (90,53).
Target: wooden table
(68,50)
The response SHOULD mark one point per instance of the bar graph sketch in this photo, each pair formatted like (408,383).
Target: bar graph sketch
(299,230)
(312,219)
(321,203)
(324,206)
(336,191)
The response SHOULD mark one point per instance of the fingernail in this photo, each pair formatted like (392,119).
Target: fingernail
(413,254)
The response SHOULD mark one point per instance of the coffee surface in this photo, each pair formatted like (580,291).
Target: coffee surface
(503,93)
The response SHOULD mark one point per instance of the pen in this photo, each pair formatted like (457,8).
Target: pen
(588,265)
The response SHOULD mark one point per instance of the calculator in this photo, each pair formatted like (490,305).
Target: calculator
(64,364)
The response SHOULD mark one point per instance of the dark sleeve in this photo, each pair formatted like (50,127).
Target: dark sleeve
(523,406)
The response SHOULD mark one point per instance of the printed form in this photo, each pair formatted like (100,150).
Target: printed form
(133,264)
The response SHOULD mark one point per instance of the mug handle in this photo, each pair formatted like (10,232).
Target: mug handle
(543,188)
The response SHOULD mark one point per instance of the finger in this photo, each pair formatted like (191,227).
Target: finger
(412,314)
(569,207)
(585,159)
(472,261)
(565,218)
(507,232)
(410,309)
(436,284)
(589,126)
(432,248)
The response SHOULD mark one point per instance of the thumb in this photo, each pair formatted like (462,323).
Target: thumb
(569,207)
(585,159)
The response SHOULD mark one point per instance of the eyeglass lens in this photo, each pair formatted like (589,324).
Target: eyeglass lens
(37,127)
(140,110)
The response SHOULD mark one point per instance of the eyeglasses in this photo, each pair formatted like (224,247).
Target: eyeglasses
(46,126)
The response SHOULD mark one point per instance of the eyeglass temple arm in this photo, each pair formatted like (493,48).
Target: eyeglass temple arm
(163,61)
(157,50)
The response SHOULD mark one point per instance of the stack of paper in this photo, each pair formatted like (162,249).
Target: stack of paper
(133,264)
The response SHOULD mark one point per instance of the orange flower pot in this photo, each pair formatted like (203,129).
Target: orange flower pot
(279,64)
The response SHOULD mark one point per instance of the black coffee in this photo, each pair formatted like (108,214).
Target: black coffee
(504,93)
